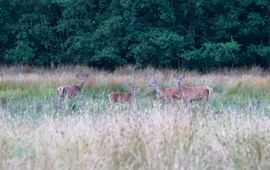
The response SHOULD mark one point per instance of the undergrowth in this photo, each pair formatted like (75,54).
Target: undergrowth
(37,131)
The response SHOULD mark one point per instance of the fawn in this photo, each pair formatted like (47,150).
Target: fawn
(123,97)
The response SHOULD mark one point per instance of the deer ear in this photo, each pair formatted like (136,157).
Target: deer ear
(182,77)
(132,85)
(175,75)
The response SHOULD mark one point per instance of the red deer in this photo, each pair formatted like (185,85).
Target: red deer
(70,91)
(164,93)
(193,93)
(122,97)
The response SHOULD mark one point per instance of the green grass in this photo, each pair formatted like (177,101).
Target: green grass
(9,90)
(39,132)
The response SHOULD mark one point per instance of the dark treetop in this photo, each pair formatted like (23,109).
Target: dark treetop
(193,34)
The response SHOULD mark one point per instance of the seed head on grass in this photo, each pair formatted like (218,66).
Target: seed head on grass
(37,133)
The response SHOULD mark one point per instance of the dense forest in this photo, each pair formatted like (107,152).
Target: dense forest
(191,34)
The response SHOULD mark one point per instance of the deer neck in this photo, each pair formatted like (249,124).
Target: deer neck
(180,88)
(133,93)
(80,85)
(158,90)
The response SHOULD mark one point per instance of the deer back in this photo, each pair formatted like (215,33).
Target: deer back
(197,93)
(173,92)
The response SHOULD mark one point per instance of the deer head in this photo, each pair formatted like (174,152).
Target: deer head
(133,89)
(180,83)
(179,79)
(153,84)
(82,79)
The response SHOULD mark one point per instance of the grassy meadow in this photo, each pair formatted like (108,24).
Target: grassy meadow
(39,132)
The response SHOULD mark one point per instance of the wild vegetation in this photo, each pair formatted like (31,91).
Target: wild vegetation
(37,131)
(194,34)
(49,119)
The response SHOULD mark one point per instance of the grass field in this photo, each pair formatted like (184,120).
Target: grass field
(39,132)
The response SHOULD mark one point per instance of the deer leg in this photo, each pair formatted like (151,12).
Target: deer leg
(207,103)
(110,105)
(62,94)
(110,101)
(189,103)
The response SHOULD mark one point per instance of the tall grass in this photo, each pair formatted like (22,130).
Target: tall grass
(39,132)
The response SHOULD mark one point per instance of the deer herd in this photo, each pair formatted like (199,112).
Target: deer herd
(171,94)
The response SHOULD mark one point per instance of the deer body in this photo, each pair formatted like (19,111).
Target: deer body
(193,93)
(165,93)
(122,97)
(70,91)
(196,93)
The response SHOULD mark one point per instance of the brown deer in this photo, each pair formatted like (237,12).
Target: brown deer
(123,97)
(70,91)
(165,93)
(193,93)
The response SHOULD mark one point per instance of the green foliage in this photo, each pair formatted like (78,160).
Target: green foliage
(260,53)
(192,34)
(215,55)
(158,48)
(21,54)
(24,89)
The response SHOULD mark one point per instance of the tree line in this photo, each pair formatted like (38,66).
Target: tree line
(192,34)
